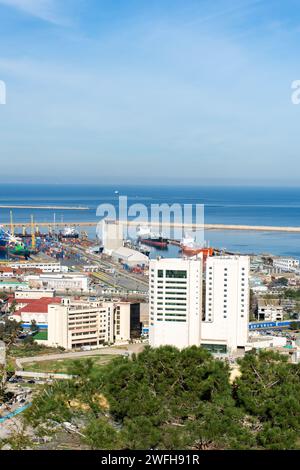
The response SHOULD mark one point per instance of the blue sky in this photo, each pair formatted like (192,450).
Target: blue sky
(160,91)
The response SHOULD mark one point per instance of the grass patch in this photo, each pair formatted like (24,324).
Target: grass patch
(64,365)
(27,350)
(42,335)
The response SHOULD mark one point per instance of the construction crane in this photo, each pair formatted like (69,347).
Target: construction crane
(33,238)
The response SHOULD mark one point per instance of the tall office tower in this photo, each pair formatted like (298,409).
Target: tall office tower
(175,302)
(227,303)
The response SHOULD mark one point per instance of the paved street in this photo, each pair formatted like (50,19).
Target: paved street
(131,348)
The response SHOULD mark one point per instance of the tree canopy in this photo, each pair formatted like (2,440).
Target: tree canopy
(169,399)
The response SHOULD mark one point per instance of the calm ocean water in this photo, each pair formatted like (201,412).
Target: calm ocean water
(224,205)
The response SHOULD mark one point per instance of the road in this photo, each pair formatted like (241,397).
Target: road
(131,348)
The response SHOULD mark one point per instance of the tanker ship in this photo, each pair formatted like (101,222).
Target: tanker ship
(190,248)
(146,237)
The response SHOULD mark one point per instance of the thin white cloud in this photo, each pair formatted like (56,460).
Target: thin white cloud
(45,10)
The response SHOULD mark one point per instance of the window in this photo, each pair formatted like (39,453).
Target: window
(171,273)
(217,348)
(160,273)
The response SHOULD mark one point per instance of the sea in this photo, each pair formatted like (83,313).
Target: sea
(275,206)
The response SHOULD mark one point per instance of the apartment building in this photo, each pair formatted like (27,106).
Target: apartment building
(74,325)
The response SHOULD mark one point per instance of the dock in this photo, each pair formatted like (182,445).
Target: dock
(170,225)
(58,208)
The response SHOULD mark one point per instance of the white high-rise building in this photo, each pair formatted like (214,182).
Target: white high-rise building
(225,327)
(175,302)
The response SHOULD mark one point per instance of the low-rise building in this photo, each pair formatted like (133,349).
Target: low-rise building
(74,323)
(12,285)
(127,321)
(46,267)
(75,326)
(60,282)
(29,310)
(286,264)
(130,257)
(270,310)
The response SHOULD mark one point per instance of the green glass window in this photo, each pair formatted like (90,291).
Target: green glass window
(171,273)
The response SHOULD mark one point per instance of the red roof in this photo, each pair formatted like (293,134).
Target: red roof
(39,305)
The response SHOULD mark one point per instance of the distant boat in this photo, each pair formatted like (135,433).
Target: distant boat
(116,192)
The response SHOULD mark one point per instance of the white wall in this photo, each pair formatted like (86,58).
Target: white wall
(227,301)
(178,325)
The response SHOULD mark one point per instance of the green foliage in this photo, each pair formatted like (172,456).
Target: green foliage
(269,390)
(34,326)
(165,398)
(29,340)
(30,349)
(101,435)
(295,325)
(9,331)
(18,440)
(292,294)
(13,306)
(51,404)
(170,399)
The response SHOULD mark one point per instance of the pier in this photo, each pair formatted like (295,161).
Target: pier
(170,225)
(58,208)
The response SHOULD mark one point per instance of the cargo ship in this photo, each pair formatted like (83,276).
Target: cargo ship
(146,237)
(13,246)
(190,248)
(3,245)
(69,232)
(18,250)
(3,239)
